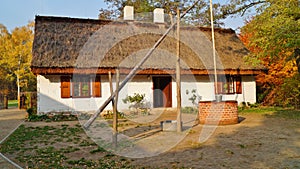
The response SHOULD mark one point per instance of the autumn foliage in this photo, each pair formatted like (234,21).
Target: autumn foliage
(281,78)
(15,60)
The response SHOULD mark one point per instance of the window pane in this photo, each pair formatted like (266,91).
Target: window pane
(76,89)
(81,86)
(85,88)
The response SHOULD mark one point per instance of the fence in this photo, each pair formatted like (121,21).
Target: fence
(3,101)
(28,99)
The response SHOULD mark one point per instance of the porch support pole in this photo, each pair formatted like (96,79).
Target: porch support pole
(134,70)
(111,87)
(115,111)
(178,79)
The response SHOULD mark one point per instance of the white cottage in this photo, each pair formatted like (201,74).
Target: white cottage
(72,58)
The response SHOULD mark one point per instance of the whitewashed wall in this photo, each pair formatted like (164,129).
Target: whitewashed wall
(49,98)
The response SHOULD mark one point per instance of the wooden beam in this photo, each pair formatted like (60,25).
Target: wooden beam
(178,78)
(115,111)
(111,87)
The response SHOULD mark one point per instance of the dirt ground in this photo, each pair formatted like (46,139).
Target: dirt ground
(258,141)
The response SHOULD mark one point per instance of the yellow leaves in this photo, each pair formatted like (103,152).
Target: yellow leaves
(15,53)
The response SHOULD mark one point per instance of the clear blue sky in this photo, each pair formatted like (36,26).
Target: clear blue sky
(15,13)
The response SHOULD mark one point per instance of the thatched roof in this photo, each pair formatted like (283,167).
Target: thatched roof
(64,44)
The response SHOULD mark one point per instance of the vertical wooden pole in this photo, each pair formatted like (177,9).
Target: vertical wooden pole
(18,85)
(214,48)
(178,80)
(115,111)
(111,87)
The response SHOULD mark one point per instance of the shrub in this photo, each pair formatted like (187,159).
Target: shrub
(289,93)
(189,110)
(137,100)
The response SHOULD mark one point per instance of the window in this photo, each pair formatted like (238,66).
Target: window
(80,86)
(229,84)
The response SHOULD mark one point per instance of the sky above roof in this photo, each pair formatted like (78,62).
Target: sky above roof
(16,13)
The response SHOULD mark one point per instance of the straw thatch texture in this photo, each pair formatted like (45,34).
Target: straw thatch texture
(61,43)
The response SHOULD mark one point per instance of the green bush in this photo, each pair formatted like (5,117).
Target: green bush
(289,93)
(137,100)
(32,116)
(189,110)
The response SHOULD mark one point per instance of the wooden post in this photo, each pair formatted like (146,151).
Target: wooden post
(111,87)
(115,111)
(5,102)
(214,49)
(178,80)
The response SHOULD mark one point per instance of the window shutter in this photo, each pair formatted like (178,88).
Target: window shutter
(238,85)
(96,89)
(65,87)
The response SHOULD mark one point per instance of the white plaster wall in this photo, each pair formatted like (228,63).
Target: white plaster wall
(49,98)
(248,91)
(202,84)
(141,84)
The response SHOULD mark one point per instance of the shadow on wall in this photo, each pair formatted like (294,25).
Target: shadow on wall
(47,104)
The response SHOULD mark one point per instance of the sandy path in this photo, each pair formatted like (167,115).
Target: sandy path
(9,120)
(256,142)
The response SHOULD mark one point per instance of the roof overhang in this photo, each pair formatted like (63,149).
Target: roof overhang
(49,71)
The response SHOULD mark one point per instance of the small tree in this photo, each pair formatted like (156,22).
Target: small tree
(194,98)
(137,101)
(289,93)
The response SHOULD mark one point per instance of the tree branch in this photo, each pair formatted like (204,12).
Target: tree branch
(241,9)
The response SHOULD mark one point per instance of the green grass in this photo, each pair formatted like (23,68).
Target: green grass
(35,147)
(260,110)
(12,103)
(278,112)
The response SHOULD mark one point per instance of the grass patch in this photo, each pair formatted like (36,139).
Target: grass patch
(12,103)
(260,110)
(58,146)
(189,110)
(286,113)
(278,112)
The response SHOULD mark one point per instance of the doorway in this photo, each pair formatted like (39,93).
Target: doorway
(162,91)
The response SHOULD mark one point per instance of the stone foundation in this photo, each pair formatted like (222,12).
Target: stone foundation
(218,113)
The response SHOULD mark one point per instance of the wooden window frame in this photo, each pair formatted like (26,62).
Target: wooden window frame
(81,82)
(68,86)
(229,84)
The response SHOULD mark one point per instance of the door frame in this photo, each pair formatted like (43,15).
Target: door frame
(166,88)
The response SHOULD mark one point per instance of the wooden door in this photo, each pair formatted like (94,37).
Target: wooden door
(162,91)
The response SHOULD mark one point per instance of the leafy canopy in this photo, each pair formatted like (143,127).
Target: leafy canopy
(15,57)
